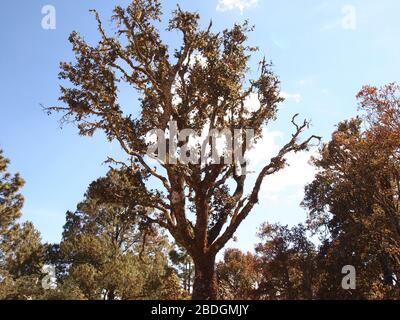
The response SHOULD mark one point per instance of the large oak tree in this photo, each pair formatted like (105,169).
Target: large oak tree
(201,85)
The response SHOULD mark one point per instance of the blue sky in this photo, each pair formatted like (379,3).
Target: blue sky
(323,52)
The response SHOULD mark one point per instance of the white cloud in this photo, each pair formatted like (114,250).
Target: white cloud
(264,150)
(297,174)
(296,97)
(252,103)
(197,58)
(291,180)
(226,5)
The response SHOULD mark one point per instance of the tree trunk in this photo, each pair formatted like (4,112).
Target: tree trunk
(111,294)
(205,279)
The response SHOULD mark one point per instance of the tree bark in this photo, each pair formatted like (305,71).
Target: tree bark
(110,294)
(205,279)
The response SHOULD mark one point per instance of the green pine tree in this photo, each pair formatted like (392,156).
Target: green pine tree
(21,250)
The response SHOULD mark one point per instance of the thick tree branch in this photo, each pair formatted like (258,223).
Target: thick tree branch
(276,164)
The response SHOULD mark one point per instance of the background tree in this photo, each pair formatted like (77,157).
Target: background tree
(11,201)
(286,261)
(24,260)
(108,251)
(355,199)
(238,275)
(183,264)
(201,85)
(21,250)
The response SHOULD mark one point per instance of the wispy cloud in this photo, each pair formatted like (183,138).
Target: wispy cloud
(296,175)
(226,5)
(289,181)
(296,97)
